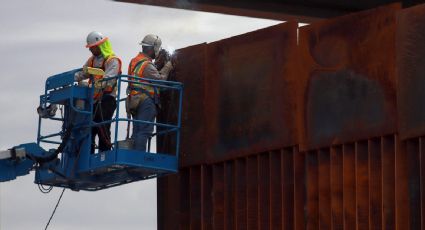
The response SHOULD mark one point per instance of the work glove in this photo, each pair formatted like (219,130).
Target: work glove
(81,75)
(168,67)
(162,59)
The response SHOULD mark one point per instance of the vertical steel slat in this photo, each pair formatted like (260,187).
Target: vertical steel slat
(324,189)
(312,191)
(195,197)
(412,151)
(401,186)
(375,184)
(207,181)
(252,192)
(276,183)
(241,194)
(422,179)
(336,188)
(162,194)
(218,196)
(229,197)
(299,189)
(168,202)
(264,190)
(388,182)
(362,185)
(184,199)
(349,186)
(287,170)
(410,58)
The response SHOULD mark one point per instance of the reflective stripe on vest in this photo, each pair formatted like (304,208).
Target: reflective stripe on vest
(97,85)
(137,67)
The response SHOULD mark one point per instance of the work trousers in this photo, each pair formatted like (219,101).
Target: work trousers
(103,111)
(142,132)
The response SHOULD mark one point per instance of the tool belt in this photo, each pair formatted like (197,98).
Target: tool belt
(132,102)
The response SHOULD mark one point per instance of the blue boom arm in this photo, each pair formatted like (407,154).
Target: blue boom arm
(20,160)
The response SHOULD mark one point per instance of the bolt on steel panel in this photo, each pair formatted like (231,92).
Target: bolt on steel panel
(411,71)
(251,92)
(349,77)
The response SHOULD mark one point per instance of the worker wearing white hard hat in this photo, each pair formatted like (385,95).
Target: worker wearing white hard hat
(142,99)
(103,57)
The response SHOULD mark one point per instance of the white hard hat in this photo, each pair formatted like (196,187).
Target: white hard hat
(152,40)
(95,38)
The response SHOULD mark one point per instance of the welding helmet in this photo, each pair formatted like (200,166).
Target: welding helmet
(154,41)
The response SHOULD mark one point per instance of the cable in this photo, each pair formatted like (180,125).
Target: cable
(43,189)
(54,210)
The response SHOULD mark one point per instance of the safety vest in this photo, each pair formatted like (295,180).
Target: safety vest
(97,86)
(136,68)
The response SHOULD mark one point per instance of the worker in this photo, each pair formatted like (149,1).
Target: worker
(105,92)
(142,100)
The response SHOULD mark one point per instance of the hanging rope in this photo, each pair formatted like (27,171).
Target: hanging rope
(54,210)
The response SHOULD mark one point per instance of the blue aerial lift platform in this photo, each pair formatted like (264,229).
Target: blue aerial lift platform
(71,164)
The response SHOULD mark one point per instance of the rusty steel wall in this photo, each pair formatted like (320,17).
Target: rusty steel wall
(410,97)
(411,71)
(323,132)
(250,93)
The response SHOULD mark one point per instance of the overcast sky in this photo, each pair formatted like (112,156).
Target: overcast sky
(42,38)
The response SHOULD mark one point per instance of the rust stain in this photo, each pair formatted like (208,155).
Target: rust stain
(349,79)
(251,92)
